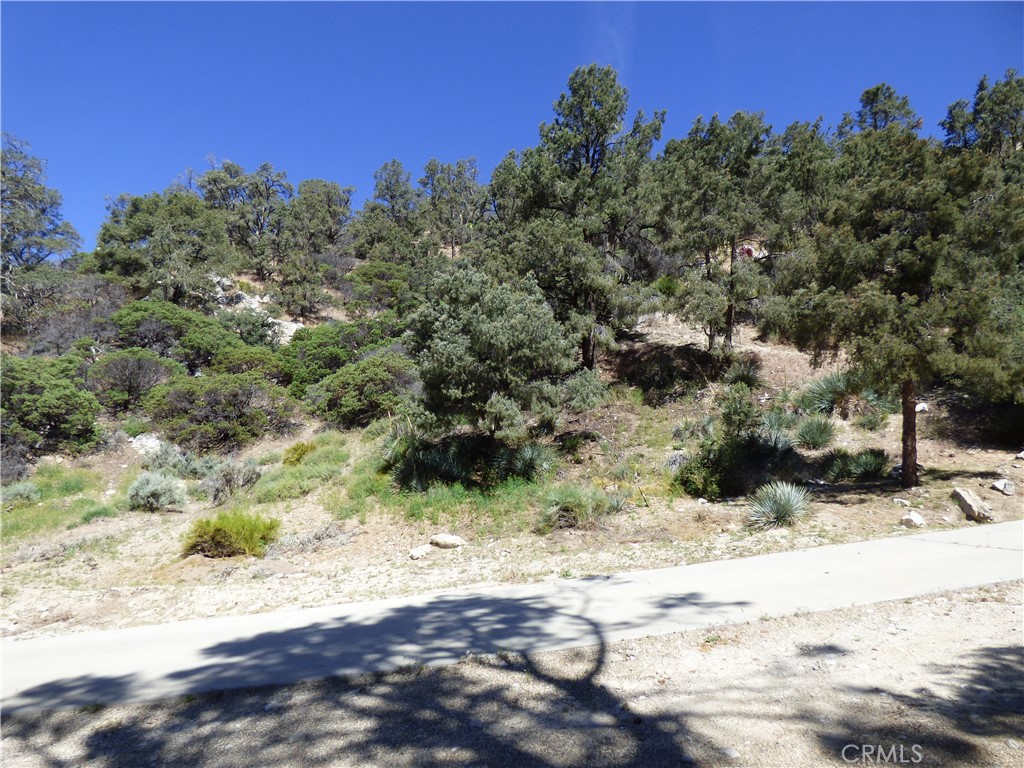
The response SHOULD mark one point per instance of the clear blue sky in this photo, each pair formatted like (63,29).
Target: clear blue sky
(123,97)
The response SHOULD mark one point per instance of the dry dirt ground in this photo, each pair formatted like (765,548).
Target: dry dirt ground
(933,681)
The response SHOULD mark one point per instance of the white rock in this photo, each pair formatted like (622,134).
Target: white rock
(973,507)
(447,541)
(417,552)
(1004,486)
(912,520)
(921,407)
(286,330)
(901,502)
(731,753)
(1020,455)
(703,501)
(147,443)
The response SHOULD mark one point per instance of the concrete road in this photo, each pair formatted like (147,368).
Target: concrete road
(157,662)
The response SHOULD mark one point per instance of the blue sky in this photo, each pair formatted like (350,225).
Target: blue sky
(124,97)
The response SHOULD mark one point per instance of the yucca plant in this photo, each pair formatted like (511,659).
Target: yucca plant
(827,394)
(528,461)
(777,504)
(869,464)
(836,465)
(746,370)
(816,431)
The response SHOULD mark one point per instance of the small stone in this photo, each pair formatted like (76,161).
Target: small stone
(921,408)
(417,552)
(447,541)
(1020,455)
(703,501)
(912,520)
(1013,744)
(731,753)
(901,502)
(1004,486)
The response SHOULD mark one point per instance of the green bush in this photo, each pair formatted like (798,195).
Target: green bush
(315,468)
(584,391)
(153,491)
(121,379)
(243,359)
(872,421)
(363,391)
(169,459)
(221,411)
(528,462)
(570,506)
(253,326)
(816,431)
(230,534)
(294,454)
(777,504)
(133,427)
(44,404)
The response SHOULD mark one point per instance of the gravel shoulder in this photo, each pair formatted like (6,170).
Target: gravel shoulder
(932,681)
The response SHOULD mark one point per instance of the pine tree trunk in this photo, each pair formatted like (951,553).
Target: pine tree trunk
(730,309)
(909,473)
(589,349)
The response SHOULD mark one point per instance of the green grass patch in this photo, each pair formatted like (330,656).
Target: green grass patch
(313,469)
(54,503)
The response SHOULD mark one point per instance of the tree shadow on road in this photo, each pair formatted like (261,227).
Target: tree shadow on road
(509,708)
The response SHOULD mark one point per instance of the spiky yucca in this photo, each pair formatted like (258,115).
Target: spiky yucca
(816,431)
(777,504)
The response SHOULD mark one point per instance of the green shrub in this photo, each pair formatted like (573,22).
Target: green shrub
(121,379)
(243,359)
(570,506)
(221,411)
(153,491)
(584,391)
(133,427)
(253,326)
(294,454)
(19,493)
(230,534)
(816,431)
(45,406)
(363,391)
(777,504)
(172,460)
(836,465)
(313,470)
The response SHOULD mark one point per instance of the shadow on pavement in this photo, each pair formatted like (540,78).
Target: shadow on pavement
(509,709)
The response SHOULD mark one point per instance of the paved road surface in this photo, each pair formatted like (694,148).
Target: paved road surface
(157,662)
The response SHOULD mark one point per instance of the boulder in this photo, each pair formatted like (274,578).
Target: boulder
(912,520)
(973,507)
(1004,486)
(417,552)
(921,408)
(901,502)
(447,541)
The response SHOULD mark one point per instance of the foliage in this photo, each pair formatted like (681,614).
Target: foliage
(243,359)
(815,431)
(19,493)
(122,378)
(296,452)
(220,411)
(300,290)
(253,326)
(584,391)
(44,405)
(154,491)
(315,353)
(776,505)
(228,476)
(487,354)
(189,337)
(61,498)
(231,534)
(829,394)
(745,370)
(165,245)
(573,506)
(313,472)
(184,464)
(868,464)
(32,222)
(363,391)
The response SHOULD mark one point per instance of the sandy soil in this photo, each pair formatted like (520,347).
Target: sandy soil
(933,681)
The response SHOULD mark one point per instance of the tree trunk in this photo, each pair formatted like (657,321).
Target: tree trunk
(589,348)
(730,309)
(908,476)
